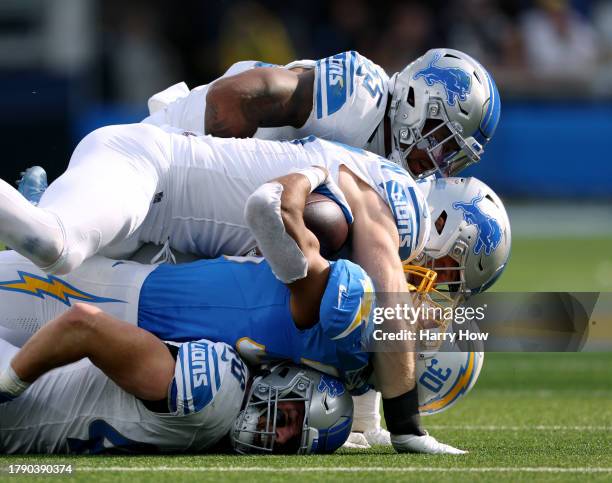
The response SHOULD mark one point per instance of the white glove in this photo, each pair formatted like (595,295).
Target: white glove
(378,436)
(410,443)
(356,441)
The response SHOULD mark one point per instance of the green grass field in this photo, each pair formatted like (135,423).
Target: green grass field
(544,417)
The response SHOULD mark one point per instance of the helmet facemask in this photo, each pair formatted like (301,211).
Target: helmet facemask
(452,287)
(322,427)
(255,430)
(434,303)
(440,138)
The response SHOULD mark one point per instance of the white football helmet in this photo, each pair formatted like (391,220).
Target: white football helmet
(446,375)
(458,95)
(471,230)
(328,411)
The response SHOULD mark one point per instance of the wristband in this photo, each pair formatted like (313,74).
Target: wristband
(10,383)
(402,414)
(316,176)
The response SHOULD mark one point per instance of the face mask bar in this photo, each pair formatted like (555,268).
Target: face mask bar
(263,401)
(447,164)
(432,302)
(455,291)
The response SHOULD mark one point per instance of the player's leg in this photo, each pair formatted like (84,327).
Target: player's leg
(103,197)
(26,301)
(29,298)
(134,359)
(105,193)
(35,233)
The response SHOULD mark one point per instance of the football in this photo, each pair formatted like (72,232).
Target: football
(325,219)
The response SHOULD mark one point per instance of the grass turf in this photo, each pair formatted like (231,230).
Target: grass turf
(529,411)
(540,417)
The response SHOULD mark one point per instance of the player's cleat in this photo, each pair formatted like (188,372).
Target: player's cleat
(410,443)
(356,441)
(32,184)
(378,436)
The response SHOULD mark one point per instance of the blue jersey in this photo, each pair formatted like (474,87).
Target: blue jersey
(238,300)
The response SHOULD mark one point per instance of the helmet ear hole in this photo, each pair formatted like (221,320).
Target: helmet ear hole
(441,222)
(490,198)
(410,98)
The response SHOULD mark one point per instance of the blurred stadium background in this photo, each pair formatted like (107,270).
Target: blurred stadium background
(69,66)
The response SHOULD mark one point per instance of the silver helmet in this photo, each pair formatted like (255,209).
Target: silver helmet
(326,406)
(470,235)
(457,96)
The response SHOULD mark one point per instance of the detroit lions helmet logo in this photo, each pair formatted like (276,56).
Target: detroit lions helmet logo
(456,81)
(489,230)
(333,386)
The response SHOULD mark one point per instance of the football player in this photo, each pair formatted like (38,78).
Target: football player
(130,184)
(435,115)
(135,393)
(208,290)
(89,383)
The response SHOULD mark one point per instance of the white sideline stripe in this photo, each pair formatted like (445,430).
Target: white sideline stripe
(523,428)
(340,469)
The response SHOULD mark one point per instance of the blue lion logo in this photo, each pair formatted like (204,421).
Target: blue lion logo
(333,386)
(456,82)
(489,230)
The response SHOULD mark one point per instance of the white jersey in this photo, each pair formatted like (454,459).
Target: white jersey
(77,409)
(349,101)
(202,190)
(132,184)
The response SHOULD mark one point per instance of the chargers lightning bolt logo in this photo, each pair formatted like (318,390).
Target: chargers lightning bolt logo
(489,230)
(51,286)
(456,81)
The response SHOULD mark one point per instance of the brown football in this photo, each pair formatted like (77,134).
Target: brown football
(325,219)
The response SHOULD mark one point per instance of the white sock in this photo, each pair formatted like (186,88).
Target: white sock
(33,232)
(366,415)
(10,383)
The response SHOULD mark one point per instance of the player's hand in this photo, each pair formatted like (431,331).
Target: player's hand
(411,443)
(356,441)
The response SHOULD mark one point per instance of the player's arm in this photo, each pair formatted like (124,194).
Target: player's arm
(375,246)
(134,359)
(275,214)
(238,105)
